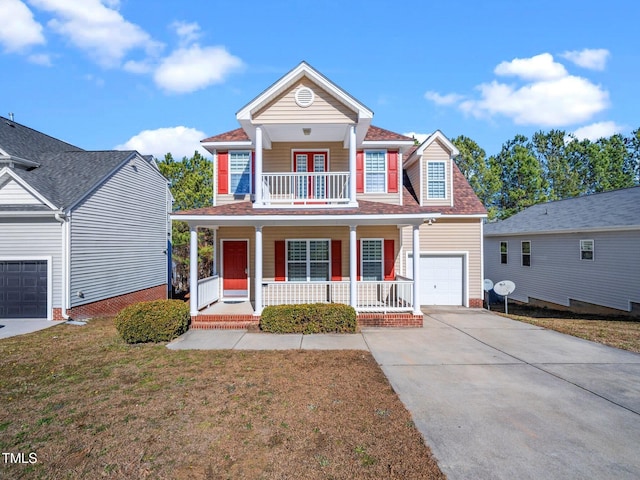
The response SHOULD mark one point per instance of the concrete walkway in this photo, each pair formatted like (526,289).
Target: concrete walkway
(10,327)
(495,398)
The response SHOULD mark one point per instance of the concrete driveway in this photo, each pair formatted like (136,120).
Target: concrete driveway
(10,327)
(499,399)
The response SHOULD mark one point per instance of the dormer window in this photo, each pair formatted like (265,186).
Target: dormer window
(436,183)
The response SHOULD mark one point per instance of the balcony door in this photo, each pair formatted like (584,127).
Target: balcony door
(310,186)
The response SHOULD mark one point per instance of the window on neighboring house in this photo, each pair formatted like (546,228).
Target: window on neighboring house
(372,259)
(504,252)
(436,183)
(308,260)
(526,254)
(375,167)
(239,172)
(586,249)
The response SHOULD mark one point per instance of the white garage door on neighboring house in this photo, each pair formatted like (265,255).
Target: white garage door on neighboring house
(23,288)
(441,279)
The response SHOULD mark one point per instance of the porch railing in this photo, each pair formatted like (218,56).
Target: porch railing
(208,291)
(392,296)
(305,188)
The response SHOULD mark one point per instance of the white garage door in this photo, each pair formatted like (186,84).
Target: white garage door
(441,279)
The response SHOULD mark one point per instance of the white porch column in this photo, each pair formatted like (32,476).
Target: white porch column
(258,167)
(416,270)
(352,164)
(193,270)
(353,267)
(258,272)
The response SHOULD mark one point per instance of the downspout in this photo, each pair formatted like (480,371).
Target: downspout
(65,257)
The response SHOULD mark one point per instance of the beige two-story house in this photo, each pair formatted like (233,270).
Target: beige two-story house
(313,203)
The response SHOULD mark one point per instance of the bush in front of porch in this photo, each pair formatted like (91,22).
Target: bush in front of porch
(309,318)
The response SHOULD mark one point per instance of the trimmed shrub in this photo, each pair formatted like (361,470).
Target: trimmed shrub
(309,318)
(156,321)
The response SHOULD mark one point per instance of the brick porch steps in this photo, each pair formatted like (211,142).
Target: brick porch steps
(231,322)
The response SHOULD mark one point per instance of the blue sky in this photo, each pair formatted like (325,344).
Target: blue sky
(159,76)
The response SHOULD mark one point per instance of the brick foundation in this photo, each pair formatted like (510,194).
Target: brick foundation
(111,306)
(476,303)
(57,314)
(389,320)
(224,322)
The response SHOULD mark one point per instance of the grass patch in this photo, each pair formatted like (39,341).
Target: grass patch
(618,332)
(92,406)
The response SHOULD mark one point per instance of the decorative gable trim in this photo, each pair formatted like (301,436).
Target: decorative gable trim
(6,171)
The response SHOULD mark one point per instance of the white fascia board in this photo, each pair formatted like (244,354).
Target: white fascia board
(402,145)
(20,161)
(473,215)
(627,228)
(303,69)
(438,135)
(296,220)
(226,145)
(27,187)
(29,213)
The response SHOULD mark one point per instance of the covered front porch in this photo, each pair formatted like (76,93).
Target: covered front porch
(350,261)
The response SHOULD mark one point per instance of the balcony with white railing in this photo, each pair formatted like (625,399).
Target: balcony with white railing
(372,296)
(309,188)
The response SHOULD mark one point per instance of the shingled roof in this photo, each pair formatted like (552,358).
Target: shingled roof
(65,173)
(600,211)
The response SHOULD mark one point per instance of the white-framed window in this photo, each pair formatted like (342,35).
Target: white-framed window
(587,249)
(375,171)
(308,260)
(526,253)
(372,259)
(504,252)
(437,179)
(239,172)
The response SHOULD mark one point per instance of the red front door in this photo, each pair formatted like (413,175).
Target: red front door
(234,268)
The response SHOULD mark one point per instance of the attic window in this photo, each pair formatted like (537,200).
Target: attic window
(304,97)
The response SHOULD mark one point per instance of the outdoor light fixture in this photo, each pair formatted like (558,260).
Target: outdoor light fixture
(306,131)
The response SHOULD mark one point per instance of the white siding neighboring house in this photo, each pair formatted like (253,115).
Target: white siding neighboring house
(82,233)
(582,253)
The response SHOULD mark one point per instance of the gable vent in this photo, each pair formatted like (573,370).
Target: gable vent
(304,97)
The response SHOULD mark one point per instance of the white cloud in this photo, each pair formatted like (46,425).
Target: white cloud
(438,99)
(97,28)
(549,103)
(19,29)
(194,68)
(179,141)
(421,137)
(187,32)
(40,59)
(543,94)
(593,59)
(597,130)
(138,67)
(538,67)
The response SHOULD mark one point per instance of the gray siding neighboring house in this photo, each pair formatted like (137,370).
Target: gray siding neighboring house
(97,219)
(583,252)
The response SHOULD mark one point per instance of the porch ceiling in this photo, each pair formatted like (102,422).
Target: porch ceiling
(316,132)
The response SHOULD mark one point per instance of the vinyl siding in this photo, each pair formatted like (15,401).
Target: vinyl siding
(119,236)
(35,238)
(450,235)
(271,234)
(12,193)
(435,152)
(325,108)
(557,274)
(413,172)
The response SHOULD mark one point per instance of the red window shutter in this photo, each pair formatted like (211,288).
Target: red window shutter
(389,260)
(360,172)
(280,256)
(223,172)
(392,172)
(336,260)
(358,272)
(253,172)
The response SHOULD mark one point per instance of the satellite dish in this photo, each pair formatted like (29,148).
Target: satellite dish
(488,284)
(504,288)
